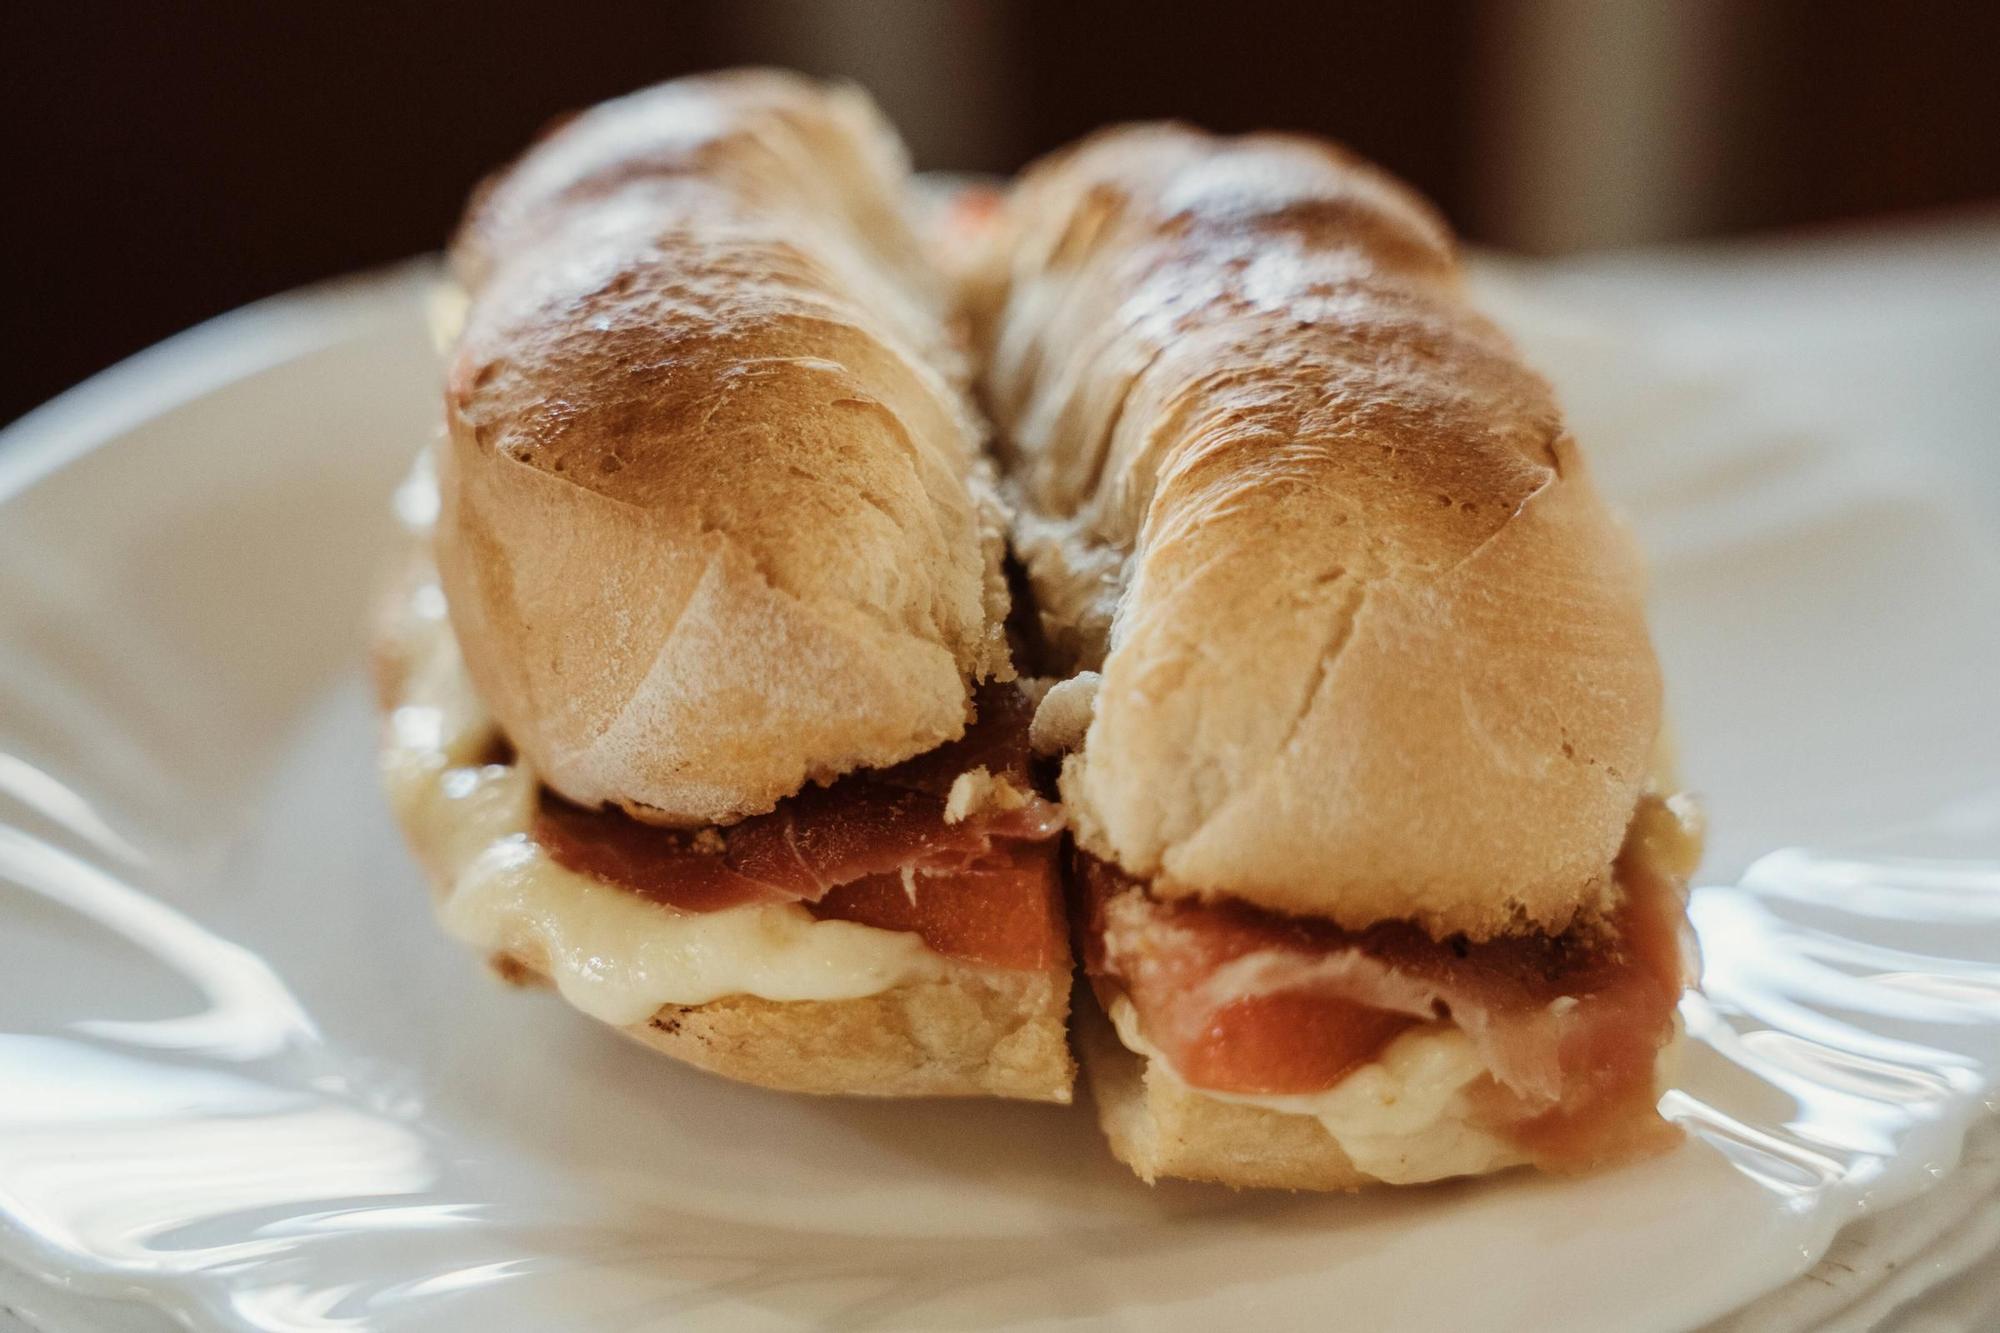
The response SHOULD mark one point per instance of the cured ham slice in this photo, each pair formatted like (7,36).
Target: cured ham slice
(1569,1026)
(890,848)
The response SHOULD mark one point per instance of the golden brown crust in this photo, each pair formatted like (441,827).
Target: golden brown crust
(715,518)
(977,1032)
(1371,646)
(768,138)
(1162,1129)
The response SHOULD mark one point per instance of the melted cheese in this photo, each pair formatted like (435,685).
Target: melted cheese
(612,954)
(619,958)
(1402,1118)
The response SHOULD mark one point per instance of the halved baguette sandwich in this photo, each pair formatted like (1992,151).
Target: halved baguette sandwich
(704,688)
(1371,878)
(700,699)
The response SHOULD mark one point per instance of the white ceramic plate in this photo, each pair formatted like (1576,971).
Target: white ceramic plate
(243,1078)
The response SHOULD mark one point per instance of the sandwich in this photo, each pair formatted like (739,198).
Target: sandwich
(1372,873)
(700,699)
(1272,656)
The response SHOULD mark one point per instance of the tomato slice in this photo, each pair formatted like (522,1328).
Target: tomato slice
(1006,913)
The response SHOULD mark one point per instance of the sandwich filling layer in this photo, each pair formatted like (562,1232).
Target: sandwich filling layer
(955,845)
(1533,1047)
(881,880)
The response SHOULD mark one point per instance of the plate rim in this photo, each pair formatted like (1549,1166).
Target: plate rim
(196,362)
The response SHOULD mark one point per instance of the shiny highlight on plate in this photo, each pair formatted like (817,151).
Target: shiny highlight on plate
(199,1158)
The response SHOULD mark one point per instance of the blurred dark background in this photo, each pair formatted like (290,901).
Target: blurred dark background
(170,161)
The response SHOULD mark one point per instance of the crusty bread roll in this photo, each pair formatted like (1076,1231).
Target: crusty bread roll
(715,517)
(712,521)
(1371,645)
